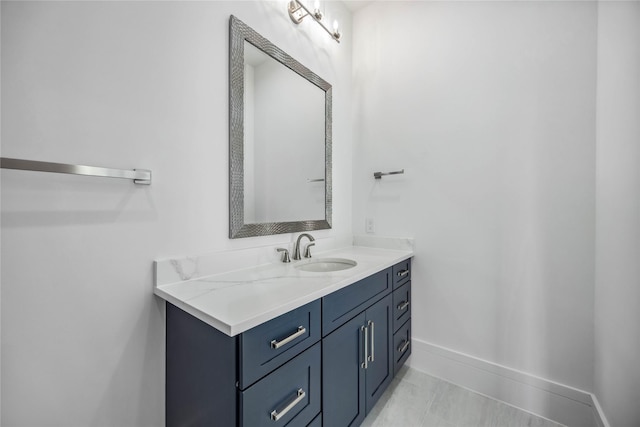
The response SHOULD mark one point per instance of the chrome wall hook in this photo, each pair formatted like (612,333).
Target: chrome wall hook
(379,175)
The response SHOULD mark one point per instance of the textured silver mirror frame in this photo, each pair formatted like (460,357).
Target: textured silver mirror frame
(238,33)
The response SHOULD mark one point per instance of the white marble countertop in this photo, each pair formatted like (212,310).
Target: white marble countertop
(236,301)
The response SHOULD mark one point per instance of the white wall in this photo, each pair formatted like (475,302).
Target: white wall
(130,85)
(490,109)
(617,314)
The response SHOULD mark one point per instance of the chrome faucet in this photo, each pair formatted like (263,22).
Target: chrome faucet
(307,251)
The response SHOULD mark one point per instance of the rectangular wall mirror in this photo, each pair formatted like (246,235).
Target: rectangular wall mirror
(280,140)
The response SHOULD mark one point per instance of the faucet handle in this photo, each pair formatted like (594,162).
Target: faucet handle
(285,254)
(307,250)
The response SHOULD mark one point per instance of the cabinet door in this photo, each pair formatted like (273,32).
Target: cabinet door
(343,381)
(379,372)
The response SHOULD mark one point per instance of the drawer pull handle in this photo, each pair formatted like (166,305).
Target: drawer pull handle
(371,358)
(403,273)
(277,344)
(403,305)
(365,364)
(300,395)
(403,346)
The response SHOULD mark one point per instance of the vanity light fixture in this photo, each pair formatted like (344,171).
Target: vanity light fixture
(298,11)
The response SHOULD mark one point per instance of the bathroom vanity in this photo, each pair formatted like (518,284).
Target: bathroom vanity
(279,345)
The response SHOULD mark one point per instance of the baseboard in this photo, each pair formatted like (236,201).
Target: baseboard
(558,402)
(599,420)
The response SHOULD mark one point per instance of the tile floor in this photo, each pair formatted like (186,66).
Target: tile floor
(415,399)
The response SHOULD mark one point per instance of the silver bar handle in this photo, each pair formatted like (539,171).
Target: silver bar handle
(277,344)
(403,346)
(403,273)
(403,305)
(139,176)
(300,395)
(373,344)
(365,364)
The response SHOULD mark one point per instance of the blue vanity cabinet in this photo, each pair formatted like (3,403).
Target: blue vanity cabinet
(357,364)
(401,315)
(267,376)
(323,364)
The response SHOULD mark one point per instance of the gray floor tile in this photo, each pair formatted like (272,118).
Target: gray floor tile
(477,411)
(415,399)
(405,407)
(431,420)
(449,403)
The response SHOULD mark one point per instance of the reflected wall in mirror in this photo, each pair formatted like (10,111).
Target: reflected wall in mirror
(280,140)
(283,114)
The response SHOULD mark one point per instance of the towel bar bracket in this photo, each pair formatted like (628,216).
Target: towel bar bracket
(145,179)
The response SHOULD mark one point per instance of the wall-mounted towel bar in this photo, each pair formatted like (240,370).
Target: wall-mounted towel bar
(378,175)
(139,176)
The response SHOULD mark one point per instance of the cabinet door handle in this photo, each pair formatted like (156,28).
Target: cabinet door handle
(371,358)
(403,346)
(365,364)
(403,305)
(300,395)
(277,344)
(403,273)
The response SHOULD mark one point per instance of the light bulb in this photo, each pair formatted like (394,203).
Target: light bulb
(316,10)
(336,32)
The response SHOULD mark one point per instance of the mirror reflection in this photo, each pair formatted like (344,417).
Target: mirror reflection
(283,142)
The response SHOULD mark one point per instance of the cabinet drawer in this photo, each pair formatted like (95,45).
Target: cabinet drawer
(267,346)
(401,273)
(317,421)
(288,396)
(401,305)
(401,346)
(342,305)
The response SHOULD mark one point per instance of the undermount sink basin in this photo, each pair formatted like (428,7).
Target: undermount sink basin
(326,265)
